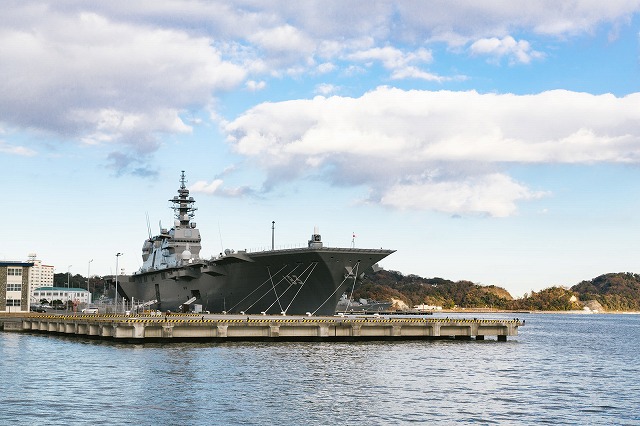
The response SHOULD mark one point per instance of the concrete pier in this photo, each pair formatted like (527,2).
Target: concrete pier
(220,327)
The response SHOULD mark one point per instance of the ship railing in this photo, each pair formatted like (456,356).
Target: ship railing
(277,248)
(305,247)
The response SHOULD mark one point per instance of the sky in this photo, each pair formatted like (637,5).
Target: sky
(496,141)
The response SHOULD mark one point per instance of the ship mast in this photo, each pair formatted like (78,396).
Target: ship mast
(183,207)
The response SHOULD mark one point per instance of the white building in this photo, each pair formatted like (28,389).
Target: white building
(14,286)
(424,307)
(39,275)
(64,294)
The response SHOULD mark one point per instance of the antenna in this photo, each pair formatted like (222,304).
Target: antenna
(148,225)
(220,233)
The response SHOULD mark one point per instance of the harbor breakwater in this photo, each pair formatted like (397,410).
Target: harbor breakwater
(154,327)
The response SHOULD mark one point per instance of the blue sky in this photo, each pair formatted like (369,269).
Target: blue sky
(496,141)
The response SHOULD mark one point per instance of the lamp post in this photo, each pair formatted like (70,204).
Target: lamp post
(88,275)
(66,302)
(115,297)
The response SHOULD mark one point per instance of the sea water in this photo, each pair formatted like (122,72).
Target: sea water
(561,369)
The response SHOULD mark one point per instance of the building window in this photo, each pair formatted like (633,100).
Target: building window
(14,286)
(15,272)
(13,302)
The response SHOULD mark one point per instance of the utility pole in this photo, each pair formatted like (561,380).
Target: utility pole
(115,296)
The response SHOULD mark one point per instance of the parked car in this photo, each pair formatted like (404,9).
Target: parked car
(37,308)
(90,310)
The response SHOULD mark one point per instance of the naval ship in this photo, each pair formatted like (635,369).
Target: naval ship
(306,280)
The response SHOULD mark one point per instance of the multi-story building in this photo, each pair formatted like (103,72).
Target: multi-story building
(14,286)
(39,275)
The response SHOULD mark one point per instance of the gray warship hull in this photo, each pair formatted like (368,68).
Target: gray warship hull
(296,281)
(293,281)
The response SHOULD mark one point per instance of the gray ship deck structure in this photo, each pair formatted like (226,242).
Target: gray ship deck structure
(308,280)
(347,305)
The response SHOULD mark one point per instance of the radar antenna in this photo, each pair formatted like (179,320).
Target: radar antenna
(183,207)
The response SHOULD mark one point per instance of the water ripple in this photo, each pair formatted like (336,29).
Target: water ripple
(562,369)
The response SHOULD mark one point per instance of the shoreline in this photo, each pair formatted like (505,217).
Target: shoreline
(508,311)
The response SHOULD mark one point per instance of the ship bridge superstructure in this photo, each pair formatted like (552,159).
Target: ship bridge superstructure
(179,245)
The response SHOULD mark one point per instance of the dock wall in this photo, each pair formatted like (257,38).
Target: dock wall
(234,327)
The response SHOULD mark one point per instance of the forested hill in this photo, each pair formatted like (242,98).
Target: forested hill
(613,292)
(618,291)
(414,290)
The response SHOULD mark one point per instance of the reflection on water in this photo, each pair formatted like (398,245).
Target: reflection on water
(561,369)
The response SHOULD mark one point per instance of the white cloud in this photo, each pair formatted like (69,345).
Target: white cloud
(99,44)
(391,57)
(326,89)
(552,126)
(413,72)
(116,125)
(255,86)
(389,139)
(402,64)
(284,47)
(326,67)
(99,80)
(205,187)
(517,51)
(216,187)
(16,150)
(494,194)
(282,38)
(329,28)
(124,73)
(462,22)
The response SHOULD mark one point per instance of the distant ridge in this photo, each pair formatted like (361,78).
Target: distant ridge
(612,292)
(615,291)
